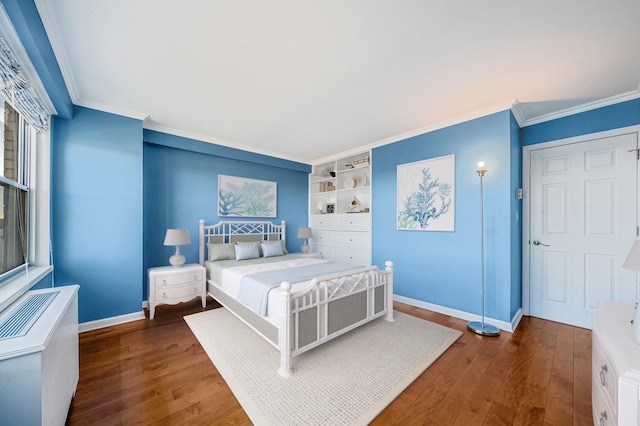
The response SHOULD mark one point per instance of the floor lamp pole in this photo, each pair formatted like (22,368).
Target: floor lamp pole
(475,326)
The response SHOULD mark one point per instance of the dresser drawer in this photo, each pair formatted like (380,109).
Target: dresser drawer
(605,376)
(355,222)
(323,237)
(168,280)
(327,252)
(353,240)
(174,292)
(323,221)
(352,256)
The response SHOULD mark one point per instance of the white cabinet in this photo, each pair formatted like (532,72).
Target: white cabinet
(39,367)
(170,285)
(616,366)
(340,209)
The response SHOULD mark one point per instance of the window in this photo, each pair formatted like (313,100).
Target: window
(14,191)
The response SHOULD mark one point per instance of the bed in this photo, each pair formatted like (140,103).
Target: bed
(316,300)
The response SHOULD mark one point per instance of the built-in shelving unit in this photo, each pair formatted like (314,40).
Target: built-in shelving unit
(340,208)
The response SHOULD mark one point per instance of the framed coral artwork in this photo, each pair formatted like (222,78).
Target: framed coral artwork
(426,190)
(243,197)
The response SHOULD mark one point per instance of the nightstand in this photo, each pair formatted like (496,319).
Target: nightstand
(169,285)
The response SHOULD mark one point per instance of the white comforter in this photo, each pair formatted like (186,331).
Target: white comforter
(232,276)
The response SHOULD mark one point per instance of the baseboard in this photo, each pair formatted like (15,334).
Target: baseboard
(502,325)
(107,322)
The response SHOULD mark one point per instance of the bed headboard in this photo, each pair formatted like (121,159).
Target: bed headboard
(227,231)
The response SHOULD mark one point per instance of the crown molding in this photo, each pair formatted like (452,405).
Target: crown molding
(221,142)
(50,23)
(112,110)
(628,96)
(427,129)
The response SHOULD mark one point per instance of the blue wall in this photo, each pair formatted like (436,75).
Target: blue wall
(181,187)
(611,117)
(97,211)
(444,268)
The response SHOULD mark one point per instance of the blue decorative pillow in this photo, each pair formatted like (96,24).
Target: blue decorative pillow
(271,249)
(248,243)
(246,251)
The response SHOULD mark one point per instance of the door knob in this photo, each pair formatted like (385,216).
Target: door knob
(538,243)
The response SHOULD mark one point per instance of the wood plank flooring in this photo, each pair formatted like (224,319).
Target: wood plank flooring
(156,373)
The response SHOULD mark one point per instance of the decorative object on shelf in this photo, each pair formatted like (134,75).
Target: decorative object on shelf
(633,262)
(475,326)
(426,195)
(348,166)
(349,183)
(306,233)
(361,161)
(331,208)
(320,206)
(177,237)
(243,197)
(359,179)
(326,172)
(354,205)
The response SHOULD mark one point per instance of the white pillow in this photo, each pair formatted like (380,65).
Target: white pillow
(272,249)
(246,251)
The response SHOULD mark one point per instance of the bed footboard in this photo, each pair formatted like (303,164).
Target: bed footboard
(331,306)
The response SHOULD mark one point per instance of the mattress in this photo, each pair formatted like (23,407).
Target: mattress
(227,274)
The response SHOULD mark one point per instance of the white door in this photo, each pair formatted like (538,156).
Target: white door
(582,224)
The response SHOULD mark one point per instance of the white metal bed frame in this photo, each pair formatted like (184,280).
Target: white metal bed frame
(328,307)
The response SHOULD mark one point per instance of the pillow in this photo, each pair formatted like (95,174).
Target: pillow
(251,243)
(221,251)
(272,249)
(246,251)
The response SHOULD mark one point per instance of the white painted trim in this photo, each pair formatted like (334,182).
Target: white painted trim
(112,110)
(623,97)
(49,21)
(428,129)
(11,36)
(526,188)
(201,138)
(108,322)
(18,285)
(502,325)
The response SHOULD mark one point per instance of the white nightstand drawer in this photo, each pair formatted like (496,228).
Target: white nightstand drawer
(605,375)
(168,280)
(356,221)
(177,292)
(603,414)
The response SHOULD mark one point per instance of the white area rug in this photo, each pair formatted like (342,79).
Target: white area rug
(346,381)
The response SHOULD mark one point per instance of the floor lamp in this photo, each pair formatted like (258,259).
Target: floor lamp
(477,326)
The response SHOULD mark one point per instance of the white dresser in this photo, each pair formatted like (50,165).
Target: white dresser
(169,285)
(616,366)
(342,237)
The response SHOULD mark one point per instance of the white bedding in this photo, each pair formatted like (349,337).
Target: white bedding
(232,276)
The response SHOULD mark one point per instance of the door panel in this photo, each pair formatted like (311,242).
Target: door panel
(583,222)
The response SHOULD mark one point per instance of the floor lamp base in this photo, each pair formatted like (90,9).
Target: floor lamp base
(483,328)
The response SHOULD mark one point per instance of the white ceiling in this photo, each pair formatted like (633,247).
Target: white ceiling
(305,80)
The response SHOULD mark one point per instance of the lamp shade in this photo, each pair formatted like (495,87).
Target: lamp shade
(177,237)
(633,258)
(304,232)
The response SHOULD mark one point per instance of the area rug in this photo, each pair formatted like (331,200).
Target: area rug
(347,381)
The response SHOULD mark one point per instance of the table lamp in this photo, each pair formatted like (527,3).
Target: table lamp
(177,237)
(304,232)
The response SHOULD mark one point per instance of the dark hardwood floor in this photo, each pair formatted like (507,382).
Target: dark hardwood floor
(156,373)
